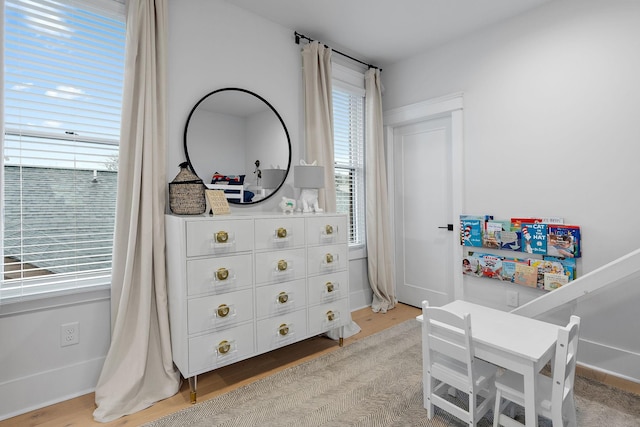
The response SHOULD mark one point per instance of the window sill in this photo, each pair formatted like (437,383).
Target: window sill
(357,252)
(52,300)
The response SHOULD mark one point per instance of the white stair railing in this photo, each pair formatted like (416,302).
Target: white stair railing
(607,275)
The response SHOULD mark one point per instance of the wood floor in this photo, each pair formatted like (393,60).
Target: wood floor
(78,411)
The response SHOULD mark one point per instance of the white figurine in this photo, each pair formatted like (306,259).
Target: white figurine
(287,205)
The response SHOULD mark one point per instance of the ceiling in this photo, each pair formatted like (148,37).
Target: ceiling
(382,32)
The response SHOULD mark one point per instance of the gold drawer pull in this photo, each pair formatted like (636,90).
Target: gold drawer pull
(222,237)
(328,258)
(223,310)
(330,287)
(224,347)
(281,233)
(283,297)
(331,316)
(328,229)
(282,265)
(283,329)
(222,273)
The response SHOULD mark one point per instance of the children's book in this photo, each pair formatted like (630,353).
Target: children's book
(471,265)
(492,230)
(490,266)
(563,241)
(510,240)
(569,265)
(508,272)
(554,281)
(471,231)
(526,274)
(534,238)
(516,223)
(546,266)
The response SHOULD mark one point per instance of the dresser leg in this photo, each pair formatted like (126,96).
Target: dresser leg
(341,342)
(193,384)
(341,338)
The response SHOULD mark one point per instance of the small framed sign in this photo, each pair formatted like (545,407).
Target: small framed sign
(217,202)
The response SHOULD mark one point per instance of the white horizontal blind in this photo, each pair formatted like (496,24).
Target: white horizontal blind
(64,70)
(348,122)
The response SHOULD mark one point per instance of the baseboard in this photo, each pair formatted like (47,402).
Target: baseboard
(360,299)
(608,379)
(46,388)
(611,366)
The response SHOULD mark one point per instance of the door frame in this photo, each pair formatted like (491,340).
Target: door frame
(446,106)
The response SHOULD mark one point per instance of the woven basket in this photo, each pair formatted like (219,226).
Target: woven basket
(186,193)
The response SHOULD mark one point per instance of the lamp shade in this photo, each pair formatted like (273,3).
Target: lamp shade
(272,178)
(308,176)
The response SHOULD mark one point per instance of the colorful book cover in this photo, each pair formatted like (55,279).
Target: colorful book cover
(490,266)
(471,231)
(554,281)
(563,241)
(546,266)
(471,265)
(534,238)
(569,265)
(508,272)
(526,274)
(491,234)
(510,240)
(516,223)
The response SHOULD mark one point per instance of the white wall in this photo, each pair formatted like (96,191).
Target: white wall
(212,45)
(552,106)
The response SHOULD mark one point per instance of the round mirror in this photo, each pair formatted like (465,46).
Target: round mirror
(235,141)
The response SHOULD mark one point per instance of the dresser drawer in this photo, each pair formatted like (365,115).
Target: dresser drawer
(280,266)
(328,316)
(328,287)
(279,233)
(220,274)
(221,348)
(326,230)
(281,330)
(219,311)
(326,259)
(280,298)
(216,237)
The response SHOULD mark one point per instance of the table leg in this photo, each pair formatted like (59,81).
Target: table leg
(530,413)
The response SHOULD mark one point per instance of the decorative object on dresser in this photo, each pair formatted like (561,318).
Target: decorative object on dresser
(186,193)
(242,285)
(217,202)
(309,178)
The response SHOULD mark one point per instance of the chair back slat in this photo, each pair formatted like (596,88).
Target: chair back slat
(564,367)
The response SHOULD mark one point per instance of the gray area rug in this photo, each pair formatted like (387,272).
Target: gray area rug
(376,381)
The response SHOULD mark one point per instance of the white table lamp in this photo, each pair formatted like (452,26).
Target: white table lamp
(309,178)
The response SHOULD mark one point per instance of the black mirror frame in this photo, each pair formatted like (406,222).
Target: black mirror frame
(286,131)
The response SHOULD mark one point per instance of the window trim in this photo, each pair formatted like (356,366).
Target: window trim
(73,287)
(352,81)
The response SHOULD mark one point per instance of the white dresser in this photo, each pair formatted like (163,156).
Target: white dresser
(242,285)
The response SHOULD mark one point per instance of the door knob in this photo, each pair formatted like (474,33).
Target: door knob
(448,227)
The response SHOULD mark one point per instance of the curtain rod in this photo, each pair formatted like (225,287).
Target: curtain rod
(302,36)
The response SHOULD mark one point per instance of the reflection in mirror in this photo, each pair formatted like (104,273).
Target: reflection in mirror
(232,135)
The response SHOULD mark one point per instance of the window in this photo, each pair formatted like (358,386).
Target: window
(63,78)
(348,124)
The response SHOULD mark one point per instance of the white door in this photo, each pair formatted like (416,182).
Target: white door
(422,181)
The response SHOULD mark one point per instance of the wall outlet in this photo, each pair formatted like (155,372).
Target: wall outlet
(69,334)
(512,298)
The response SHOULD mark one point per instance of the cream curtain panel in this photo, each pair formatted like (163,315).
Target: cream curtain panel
(318,115)
(379,260)
(138,370)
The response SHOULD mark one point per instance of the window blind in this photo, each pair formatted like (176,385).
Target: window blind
(348,119)
(63,78)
